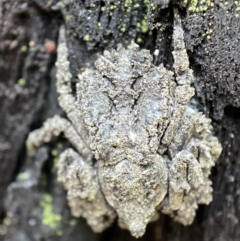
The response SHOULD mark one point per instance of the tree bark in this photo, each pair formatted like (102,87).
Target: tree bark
(28,39)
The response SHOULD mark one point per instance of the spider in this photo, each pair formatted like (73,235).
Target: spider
(154,149)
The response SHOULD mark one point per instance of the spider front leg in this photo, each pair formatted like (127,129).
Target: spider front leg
(184,75)
(54,127)
(183,92)
(84,193)
(66,99)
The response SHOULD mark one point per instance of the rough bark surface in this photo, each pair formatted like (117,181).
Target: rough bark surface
(28,96)
(24,68)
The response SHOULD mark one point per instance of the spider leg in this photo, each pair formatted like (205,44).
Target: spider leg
(189,169)
(207,152)
(185,181)
(185,173)
(54,127)
(184,77)
(66,99)
(83,191)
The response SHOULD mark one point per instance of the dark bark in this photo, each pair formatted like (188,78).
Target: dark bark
(24,69)
(28,97)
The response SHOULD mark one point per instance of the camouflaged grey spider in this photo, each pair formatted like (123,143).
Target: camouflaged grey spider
(154,150)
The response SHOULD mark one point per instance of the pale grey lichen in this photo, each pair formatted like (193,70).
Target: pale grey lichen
(154,149)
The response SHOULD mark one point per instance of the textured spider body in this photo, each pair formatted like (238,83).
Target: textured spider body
(154,150)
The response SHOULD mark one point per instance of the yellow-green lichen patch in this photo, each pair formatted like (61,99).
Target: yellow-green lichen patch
(199,5)
(123,28)
(86,37)
(67,18)
(137,5)
(112,6)
(72,222)
(24,49)
(63,3)
(139,40)
(7,221)
(127,3)
(153,6)
(237,8)
(208,33)
(23,176)
(49,217)
(54,152)
(21,82)
(144,25)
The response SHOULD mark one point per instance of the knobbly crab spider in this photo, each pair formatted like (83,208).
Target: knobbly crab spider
(154,149)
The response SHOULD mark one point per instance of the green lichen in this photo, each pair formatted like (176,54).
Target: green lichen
(72,222)
(21,82)
(86,37)
(6,221)
(63,3)
(67,18)
(208,33)
(237,8)
(144,25)
(139,40)
(60,4)
(49,218)
(24,49)
(112,6)
(54,152)
(199,5)
(127,3)
(153,6)
(123,28)
(23,176)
